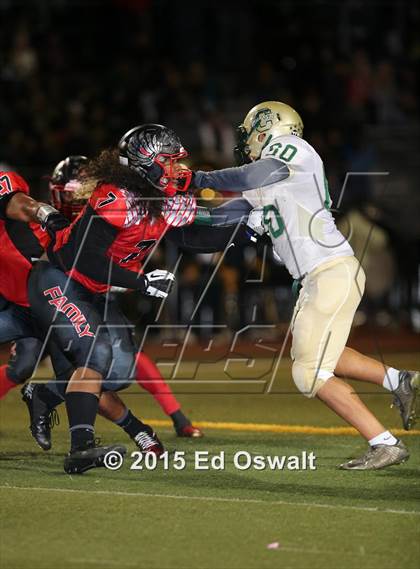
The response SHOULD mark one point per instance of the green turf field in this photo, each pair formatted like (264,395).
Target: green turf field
(211,519)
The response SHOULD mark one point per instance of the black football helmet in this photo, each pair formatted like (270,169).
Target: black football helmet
(63,183)
(152,150)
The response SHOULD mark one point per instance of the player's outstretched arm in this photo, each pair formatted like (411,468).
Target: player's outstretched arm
(207,239)
(242,178)
(230,213)
(215,228)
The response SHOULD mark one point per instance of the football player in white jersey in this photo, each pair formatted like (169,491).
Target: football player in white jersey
(283,182)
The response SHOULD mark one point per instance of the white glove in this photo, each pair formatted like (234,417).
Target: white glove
(159,283)
(255,226)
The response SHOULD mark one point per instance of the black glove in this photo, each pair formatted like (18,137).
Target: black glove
(55,222)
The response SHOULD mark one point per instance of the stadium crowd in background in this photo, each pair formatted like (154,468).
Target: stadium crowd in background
(355,86)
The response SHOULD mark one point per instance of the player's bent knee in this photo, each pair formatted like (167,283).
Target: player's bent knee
(309,380)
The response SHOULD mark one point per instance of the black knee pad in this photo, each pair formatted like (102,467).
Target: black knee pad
(23,359)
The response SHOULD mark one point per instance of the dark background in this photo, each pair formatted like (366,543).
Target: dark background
(74,76)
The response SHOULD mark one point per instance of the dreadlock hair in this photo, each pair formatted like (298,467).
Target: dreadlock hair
(106,169)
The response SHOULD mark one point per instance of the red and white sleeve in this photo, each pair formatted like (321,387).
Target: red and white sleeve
(179,210)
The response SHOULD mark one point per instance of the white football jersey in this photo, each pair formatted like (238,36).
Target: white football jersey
(296,211)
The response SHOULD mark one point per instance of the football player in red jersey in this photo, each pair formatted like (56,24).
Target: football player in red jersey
(64,188)
(21,237)
(125,216)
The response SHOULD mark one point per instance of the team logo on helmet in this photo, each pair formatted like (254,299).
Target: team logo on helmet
(263,120)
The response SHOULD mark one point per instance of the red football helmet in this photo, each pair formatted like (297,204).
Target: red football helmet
(63,184)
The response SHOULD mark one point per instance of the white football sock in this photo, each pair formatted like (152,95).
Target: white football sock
(391,379)
(385,438)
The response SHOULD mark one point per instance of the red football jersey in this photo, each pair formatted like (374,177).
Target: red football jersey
(134,232)
(19,244)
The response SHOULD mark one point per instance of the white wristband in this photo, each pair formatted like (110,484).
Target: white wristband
(44,211)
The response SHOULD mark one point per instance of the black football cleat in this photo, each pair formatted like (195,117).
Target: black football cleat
(80,460)
(42,419)
(147,441)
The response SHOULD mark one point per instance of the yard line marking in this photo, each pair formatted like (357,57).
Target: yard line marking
(274,428)
(360,552)
(315,551)
(107,562)
(211,499)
